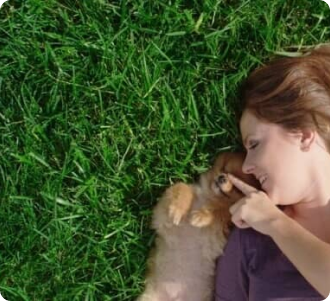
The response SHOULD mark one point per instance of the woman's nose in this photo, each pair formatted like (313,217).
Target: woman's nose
(247,166)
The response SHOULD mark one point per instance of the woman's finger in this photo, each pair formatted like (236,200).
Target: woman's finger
(239,222)
(233,208)
(242,186)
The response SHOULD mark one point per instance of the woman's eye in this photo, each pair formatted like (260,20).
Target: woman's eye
(253,146)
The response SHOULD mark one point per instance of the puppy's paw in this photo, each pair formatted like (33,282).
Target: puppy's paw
(181,197)
(201,218)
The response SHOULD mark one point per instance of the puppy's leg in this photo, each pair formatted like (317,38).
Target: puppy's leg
(181,196)
(202,217)
(173,206)
(214,212)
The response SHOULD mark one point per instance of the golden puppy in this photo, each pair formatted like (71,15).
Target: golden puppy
(192,224)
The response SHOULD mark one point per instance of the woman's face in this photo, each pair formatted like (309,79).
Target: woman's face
(275,153)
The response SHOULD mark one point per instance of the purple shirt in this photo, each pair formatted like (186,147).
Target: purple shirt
(254,268)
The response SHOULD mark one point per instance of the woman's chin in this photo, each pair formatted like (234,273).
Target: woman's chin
(271,196)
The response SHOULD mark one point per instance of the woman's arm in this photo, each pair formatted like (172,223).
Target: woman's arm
(309,254)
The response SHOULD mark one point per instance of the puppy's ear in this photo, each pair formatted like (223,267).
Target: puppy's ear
(221,161)
(230,162)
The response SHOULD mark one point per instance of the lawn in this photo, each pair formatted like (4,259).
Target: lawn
(104,104)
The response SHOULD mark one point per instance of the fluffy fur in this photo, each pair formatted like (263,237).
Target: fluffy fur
(193,222)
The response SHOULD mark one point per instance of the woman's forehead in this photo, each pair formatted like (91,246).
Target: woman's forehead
(251,125)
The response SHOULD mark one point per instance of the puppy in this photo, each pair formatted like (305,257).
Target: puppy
(192,222)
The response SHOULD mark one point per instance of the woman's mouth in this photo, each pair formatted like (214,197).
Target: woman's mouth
(262,180)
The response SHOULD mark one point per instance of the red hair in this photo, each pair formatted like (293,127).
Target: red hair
(293,92)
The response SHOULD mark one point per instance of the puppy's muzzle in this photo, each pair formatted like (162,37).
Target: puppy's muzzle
(224,184)
(222,179)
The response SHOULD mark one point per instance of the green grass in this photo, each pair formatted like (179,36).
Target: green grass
(104,104)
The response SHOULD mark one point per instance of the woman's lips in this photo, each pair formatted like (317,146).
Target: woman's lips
(264,184)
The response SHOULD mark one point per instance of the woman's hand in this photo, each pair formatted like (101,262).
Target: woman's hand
(255,209)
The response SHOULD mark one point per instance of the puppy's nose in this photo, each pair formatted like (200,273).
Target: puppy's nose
(222,179)
(224,183)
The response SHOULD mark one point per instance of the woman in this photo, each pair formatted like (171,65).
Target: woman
(280,247)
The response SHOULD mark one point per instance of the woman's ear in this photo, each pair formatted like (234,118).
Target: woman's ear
(307,138)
